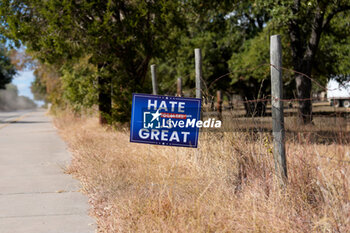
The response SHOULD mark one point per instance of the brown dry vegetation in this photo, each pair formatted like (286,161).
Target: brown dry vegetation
(227,185)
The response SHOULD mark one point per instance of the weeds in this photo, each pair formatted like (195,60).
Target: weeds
(226,185)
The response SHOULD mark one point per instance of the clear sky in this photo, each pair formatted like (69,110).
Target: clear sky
(23,81)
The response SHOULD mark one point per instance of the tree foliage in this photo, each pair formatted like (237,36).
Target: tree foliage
(7,69)
(223,30)
(309,25)
(47,85)
(99,51)
(119,36)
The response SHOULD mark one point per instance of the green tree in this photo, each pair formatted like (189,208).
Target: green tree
(7,69)
(309,25)
(119,36)
(311,31)
(38,90)
(223,30)
(47,85)
(80,84)
(315,38)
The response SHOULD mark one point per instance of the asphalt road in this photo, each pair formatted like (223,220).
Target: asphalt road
(6,117)
(35,194)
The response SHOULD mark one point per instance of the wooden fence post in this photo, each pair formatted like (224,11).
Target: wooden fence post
(179,87)
(277,108)
(219,103)
(154,79)
(198,60)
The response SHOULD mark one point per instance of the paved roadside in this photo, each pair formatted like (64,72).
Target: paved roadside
(6,117)
(35,195)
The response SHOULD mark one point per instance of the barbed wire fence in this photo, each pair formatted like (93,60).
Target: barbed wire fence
(207,89)
(234,108)
(329,125)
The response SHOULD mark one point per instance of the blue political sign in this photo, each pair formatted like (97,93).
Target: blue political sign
(165,120)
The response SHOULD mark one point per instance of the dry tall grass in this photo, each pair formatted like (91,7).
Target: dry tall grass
(227,185)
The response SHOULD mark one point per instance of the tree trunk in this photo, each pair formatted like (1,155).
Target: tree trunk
(252,106)
(104,99)
(304,86)
(303,57)
(256,109)
(250,92)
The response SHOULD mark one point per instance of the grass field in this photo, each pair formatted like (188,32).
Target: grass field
(226,185)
